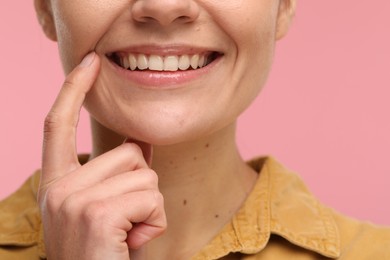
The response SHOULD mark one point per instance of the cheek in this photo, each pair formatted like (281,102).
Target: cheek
(253,32)
(81,24)
(243,19)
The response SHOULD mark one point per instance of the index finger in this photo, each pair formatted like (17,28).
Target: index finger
(59,154)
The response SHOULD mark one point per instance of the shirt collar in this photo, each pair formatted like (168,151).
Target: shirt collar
(279,204)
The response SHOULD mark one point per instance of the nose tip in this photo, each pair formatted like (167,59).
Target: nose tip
(165,12)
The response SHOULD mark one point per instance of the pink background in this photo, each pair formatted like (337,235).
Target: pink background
(324,113)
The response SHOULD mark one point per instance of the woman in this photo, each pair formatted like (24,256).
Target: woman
(164,82)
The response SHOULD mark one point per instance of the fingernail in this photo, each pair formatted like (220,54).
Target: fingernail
(87,61)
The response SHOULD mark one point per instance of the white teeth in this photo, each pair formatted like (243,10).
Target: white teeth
(142,62)
(126,63)
(194,61)
(133,62)
(184,62)
(161,63)
(202,60)
(171,63)
(156,63)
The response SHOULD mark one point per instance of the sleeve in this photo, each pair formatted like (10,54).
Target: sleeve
(20,224)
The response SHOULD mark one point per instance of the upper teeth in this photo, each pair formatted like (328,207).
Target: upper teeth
(162,63)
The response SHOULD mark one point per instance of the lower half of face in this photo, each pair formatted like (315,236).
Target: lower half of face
(167,113)
(186,91)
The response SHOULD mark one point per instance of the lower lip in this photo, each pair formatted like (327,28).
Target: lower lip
(163,79)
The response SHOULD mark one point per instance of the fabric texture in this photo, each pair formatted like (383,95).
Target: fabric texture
(280,219)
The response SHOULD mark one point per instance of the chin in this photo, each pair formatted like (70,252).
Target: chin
(157,131)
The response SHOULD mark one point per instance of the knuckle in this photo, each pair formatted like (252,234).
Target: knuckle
(52,121)
(162,226)
(132,149)
(150,178)
(157,200)
(69,83)
(72,205)
(159,211)
(95,211)
(52,199)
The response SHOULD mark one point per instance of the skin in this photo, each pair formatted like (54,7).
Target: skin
(89,210)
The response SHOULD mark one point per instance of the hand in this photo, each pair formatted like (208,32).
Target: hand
(104,208)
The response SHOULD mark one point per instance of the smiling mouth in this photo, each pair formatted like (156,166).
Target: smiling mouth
(153,62)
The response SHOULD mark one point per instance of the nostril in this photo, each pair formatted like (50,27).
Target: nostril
(183,19)
(145,19)
(165,12)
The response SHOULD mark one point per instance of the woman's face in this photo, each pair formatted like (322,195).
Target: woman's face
(199,63)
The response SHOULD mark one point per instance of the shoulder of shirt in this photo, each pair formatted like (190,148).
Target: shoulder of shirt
(282,219)
(20,223)
(302,220)
(362,239)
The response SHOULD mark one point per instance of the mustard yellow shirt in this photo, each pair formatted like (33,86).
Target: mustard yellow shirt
(280,219)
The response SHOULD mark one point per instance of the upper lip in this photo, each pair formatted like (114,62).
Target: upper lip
(165,50)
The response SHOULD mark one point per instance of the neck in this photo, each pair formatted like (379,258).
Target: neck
(203,182)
